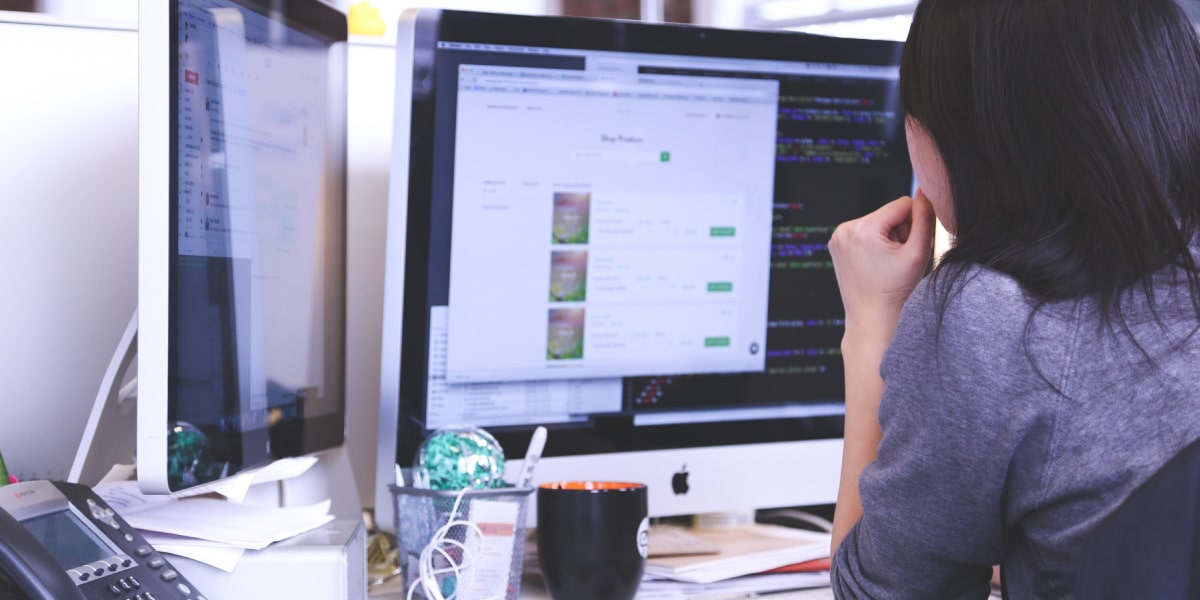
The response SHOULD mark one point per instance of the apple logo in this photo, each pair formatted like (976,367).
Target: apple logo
(679,482)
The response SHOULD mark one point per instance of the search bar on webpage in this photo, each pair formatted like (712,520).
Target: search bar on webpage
(623,155)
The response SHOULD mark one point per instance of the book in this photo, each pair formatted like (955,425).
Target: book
(673,540)
(742,551)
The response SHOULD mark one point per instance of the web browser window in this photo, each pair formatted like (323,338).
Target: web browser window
(609,224)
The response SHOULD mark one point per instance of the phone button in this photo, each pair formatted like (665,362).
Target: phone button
(142,550)
(156,563)
(169,575)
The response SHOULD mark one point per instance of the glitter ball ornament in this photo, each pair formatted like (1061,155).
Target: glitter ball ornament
(460,457)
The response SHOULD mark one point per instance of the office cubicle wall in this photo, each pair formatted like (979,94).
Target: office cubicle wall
(68,231)
(68,228)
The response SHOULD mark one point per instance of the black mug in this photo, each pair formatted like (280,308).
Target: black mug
(592,538)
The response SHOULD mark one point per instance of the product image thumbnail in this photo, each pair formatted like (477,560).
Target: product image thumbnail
(564,339)
(568,276)
(571,218)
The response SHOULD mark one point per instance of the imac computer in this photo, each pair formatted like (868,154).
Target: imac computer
(242,236)
(619,231)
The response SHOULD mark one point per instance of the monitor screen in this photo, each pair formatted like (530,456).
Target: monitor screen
(242,301)
(619,231)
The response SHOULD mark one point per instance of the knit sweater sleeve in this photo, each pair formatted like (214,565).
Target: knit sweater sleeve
(956,407)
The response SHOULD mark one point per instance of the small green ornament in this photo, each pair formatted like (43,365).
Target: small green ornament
(460,457)
(189,457)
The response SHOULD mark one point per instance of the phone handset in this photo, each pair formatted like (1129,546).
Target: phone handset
(27,563)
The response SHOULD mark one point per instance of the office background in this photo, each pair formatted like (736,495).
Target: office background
(68,195)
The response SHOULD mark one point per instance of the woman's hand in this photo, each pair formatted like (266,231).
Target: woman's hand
(879,259)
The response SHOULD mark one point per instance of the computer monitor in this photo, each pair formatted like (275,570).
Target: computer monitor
(619,231)
(242,236)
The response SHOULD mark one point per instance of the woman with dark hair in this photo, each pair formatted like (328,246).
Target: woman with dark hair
(1051,361)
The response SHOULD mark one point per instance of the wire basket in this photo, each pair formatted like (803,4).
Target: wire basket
(496,543)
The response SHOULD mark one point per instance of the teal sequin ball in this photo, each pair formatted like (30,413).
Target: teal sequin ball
(461,457)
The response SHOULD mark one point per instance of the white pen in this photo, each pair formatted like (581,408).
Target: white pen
(536,444)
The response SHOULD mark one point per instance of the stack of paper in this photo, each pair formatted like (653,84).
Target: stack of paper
(214,531)
(743,551)
(750,586)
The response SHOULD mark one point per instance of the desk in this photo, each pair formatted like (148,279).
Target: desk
(531,589)
(734,542)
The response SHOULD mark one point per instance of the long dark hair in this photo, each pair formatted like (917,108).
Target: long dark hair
(1070,132)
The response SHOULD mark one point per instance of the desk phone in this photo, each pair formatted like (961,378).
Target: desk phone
(61,541)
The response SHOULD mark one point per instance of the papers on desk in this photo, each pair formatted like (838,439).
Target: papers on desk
(209,530)
(749,586)
(210,553)
(230,524)
(744,550)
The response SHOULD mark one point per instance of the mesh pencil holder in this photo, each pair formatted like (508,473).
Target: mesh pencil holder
(491,567)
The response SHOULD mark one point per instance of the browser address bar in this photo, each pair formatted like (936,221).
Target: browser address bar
(766,93)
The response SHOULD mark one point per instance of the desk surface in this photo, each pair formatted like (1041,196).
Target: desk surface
(531,589)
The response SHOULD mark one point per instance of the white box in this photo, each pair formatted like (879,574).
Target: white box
(327,563)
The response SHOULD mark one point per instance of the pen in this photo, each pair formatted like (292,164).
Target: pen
(536,444)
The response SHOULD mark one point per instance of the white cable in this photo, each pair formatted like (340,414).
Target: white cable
(803,516)
(440,544)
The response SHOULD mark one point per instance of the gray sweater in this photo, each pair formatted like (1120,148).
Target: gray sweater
(984,462)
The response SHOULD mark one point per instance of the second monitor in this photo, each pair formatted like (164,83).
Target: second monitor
(618,231)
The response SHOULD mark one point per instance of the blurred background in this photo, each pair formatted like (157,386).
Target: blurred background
(880,19)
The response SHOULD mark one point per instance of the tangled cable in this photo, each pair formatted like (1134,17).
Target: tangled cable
(443,546)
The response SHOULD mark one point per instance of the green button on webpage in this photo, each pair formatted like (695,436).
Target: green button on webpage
(720,286)
(722,231)
(716,342)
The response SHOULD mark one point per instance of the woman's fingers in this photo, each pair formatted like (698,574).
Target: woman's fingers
(879,258)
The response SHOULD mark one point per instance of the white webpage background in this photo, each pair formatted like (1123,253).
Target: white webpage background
(512,403)
(525,134)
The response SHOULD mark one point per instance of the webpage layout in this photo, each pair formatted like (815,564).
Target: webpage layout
(609,224)
(508,403)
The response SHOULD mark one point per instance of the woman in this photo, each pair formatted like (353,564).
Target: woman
(1051,362)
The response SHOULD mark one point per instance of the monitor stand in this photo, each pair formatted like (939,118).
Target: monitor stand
(333,556)
(109,439)
(110,436)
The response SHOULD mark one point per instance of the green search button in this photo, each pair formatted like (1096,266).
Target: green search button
(720,286)
(716,342)
(722,231)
